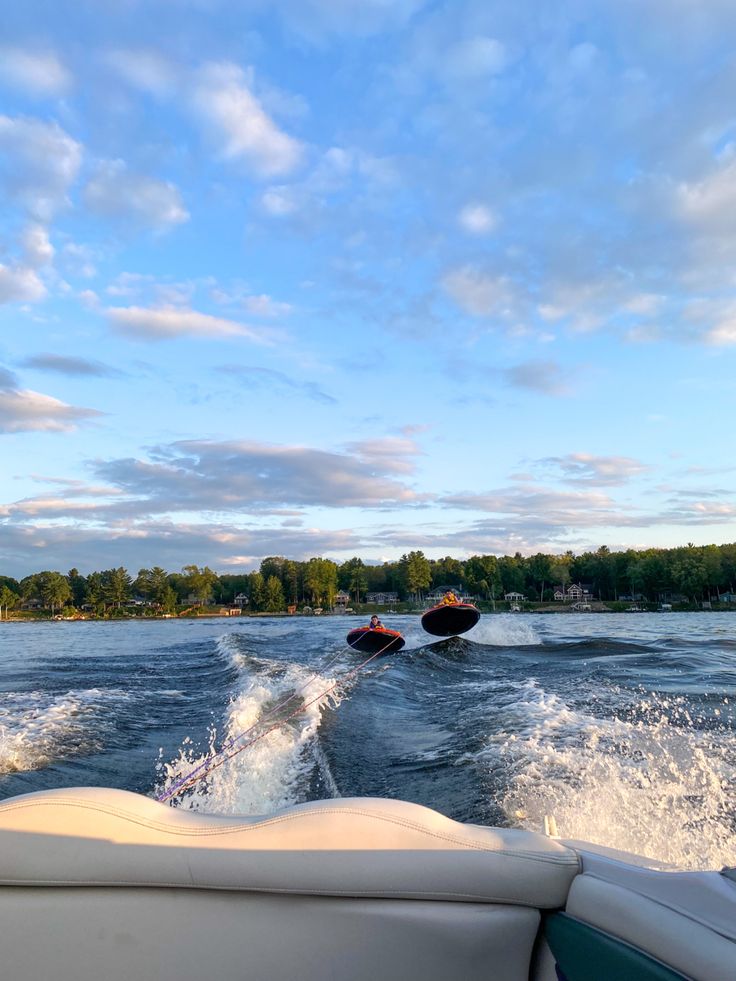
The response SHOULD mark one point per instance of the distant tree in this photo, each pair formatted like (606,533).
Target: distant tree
(561,574)
(417,573)
(512,572)
(274,595)
(291,581)
(153,584)
(352,578)
(54,590)
(96,591)
(257,592)
(78,586)
(711,559)
(690,577)
(9,599)
(320,581)
(447,572)
(117,586)
(200,582)
(540,573)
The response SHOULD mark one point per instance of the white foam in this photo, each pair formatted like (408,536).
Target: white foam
(504,630)
(37,728)
(277,755)
(648,786)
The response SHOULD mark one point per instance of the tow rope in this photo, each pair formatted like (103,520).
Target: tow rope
(217,759)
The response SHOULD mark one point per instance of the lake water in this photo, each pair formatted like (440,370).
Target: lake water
(621,726)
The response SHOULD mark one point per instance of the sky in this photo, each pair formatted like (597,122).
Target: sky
(357,277)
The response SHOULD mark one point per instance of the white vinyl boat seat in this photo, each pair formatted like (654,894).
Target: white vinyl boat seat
(107,884)
(627,921)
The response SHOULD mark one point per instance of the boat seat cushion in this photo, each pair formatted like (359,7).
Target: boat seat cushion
(347,847)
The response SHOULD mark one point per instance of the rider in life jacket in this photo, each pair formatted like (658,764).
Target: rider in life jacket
(375,623)
(449,598)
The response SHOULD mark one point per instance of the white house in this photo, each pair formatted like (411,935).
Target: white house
(342,600)
(575,593)
(382,598)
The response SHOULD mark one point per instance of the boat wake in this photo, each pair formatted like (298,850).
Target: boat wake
(651,783)
(38,728)
(273,716)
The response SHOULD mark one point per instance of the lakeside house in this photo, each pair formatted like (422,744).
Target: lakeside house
(382,598)
(514,597)
(576,592)
(341,602)
(437,594)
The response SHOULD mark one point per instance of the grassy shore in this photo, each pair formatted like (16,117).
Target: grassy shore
(364,610)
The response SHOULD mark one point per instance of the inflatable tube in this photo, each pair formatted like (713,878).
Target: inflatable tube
(450,619)
(374,641)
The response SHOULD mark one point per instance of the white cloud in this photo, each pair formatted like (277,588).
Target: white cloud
(279,201)
(390,454)
(553,508)
(167,543)
(115,192)
(167,323)
(585,468)
(244,474)
(224,102)
(724,333)
(38,163)
(37,73)
(22,410)
(20,283)
(265,306)
(712,321)
(37,248)
(477,219)
(710,202)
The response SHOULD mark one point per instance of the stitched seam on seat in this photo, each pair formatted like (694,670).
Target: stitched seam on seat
(279,890)
(565,859)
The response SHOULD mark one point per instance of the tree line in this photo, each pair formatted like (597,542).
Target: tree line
(694,572)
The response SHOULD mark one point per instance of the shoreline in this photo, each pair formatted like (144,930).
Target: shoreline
(548,611)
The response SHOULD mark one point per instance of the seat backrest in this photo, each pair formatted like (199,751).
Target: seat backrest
(97,883)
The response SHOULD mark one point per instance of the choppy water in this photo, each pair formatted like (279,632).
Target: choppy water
(622,726)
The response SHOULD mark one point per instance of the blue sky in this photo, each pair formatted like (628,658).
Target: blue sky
(348,277)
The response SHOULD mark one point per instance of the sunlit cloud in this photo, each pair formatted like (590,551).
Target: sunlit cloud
(23,410)
(170,323)
(227,107)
